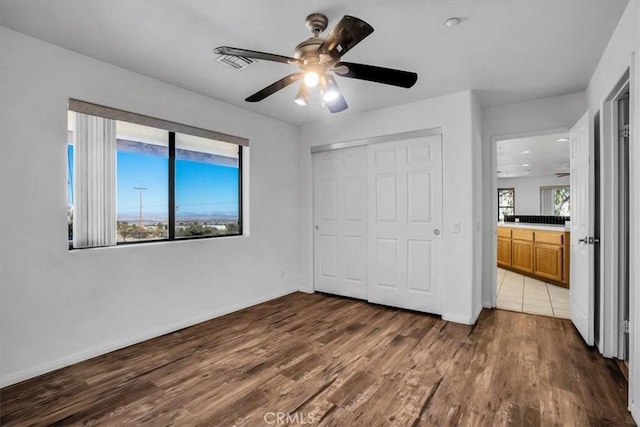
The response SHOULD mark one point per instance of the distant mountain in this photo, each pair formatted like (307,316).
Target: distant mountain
(154,218)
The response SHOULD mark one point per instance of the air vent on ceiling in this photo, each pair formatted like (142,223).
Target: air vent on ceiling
(235,62)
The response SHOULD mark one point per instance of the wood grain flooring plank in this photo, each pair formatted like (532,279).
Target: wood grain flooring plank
(338,362)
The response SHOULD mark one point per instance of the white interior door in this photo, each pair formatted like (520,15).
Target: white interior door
(340,221)
(405,208)
(581,291)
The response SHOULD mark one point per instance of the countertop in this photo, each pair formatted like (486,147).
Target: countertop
(549,227)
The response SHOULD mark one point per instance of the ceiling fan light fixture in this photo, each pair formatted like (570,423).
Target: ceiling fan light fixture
(311,79)
(330,95)
(452,22)
(329,89)
(303,96)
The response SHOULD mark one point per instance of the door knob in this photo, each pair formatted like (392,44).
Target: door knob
(585,240)
(436,232)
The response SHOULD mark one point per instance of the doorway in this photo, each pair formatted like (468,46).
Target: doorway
(533,205)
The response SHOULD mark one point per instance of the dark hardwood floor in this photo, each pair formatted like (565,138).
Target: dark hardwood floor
(323,360)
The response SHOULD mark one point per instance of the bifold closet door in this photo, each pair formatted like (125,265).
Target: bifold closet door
(405,223)
(340,221)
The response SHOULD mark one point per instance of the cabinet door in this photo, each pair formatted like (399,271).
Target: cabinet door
(522,255)
(548,261)
(504,252)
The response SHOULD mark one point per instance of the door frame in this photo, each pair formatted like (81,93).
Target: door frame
(610,325)
(376,139)
(494,196)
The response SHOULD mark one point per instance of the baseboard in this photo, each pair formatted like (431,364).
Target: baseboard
(306,290)
(456,318)
(107,348)
(635,413)
(476,313)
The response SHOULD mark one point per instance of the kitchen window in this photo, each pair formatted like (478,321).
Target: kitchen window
(555,200)
(506,202)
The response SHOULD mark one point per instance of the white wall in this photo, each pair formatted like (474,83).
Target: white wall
(616,59)
(453,113)
(559,112)
(59,306)
(527,190)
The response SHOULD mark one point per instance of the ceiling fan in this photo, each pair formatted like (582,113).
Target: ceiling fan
(319,58)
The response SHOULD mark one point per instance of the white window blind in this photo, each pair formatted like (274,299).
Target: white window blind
(546,200)
(95,181)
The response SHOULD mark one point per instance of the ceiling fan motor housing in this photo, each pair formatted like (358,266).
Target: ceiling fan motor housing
(316,23)
(308,49)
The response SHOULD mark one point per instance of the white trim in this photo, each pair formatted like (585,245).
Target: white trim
(634,233)
(107,348)
(378,139)
(491,266)
(610,325)
(465,320)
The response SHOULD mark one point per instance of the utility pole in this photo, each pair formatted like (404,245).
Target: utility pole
(140,189)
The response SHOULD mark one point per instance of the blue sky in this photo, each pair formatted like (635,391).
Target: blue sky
(201,188)
(139,170)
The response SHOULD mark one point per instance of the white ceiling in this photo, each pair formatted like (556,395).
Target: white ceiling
(547,155)
(508,50)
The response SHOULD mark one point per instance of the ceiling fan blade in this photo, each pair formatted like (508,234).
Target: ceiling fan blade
(234,51)
(274,87)
(387,76)
(345,35)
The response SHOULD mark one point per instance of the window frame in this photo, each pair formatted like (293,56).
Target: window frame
(513,191)
(171,128)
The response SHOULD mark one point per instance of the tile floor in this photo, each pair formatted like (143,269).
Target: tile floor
(526,294)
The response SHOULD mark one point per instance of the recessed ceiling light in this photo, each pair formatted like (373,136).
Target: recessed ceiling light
(526,152)
(562,140)
(452,22)
(524,165)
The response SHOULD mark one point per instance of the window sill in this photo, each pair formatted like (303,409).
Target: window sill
(160,242)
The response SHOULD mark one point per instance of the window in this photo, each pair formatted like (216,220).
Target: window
(506,202)
(207,187)
(555,200)
(133,179)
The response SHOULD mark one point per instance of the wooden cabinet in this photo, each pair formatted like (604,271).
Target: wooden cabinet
(504,247)
(504,252)
(539,253)
(548,261)
(522,255)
